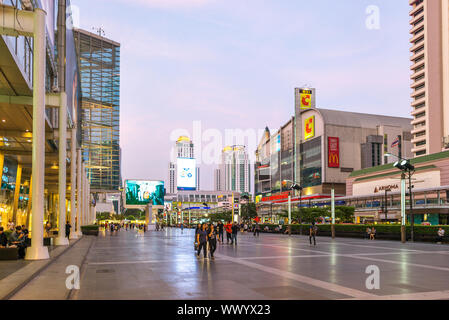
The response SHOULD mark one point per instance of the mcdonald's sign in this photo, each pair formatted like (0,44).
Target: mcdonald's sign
(334,152)
(309,128)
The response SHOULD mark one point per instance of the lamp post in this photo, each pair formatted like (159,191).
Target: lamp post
(407,172)
(333,212)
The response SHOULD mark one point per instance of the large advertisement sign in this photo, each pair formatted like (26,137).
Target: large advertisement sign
(305,99)
(334,152)
(186,174)
(142,193)
(309,128)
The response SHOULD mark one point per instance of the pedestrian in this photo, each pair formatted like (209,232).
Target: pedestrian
(197,230)
(235,230)
(112,229)
(373,234)
(182,228)
(17,239)
(201,239)
(220,232)
(213,238)
(68,227)
(312,233)
(368,233)
(257,229)
(440,234)
(228,228)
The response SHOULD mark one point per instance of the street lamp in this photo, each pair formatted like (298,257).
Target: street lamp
(407,171)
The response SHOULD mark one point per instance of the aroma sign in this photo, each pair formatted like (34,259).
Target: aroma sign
(386,188)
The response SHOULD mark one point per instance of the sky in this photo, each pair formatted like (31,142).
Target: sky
(234,64)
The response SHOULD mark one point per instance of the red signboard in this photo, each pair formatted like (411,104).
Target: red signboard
(334,152)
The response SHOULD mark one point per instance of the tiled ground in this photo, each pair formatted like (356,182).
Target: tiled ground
(162,265)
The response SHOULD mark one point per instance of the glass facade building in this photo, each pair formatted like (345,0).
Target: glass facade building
(99,63)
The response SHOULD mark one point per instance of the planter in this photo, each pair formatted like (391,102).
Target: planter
(90,232)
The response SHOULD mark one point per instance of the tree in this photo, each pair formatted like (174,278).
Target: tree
(345,214)
(249,211)
(222,216)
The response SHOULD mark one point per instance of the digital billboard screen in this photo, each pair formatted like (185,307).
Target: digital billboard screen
(140,192)
(186,174)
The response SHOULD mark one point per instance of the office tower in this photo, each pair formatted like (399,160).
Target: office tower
(235,170)
(99,63)
(184,153)
(217,180)
(430,75)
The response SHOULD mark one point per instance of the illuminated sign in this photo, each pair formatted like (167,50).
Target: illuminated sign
(140,192)
(186,174)
(309,128)
(305,97)
(334,152)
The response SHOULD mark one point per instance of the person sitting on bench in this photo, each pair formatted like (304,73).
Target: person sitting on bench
(18,239)
(3,239)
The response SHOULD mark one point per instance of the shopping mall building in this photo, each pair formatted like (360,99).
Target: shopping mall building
(43,176)
(319,149)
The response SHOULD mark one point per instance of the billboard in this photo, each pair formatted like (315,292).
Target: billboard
(144,192)
(334,152)
(309,128)
(186,174)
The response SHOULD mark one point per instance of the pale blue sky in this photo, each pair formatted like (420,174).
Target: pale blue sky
(235,63)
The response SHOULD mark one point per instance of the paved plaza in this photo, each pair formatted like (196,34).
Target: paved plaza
(162,265)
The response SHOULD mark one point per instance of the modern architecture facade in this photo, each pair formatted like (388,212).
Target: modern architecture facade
(233,173)
(183,149)
(320,148)
(43,176)
(99,63)
(429,20)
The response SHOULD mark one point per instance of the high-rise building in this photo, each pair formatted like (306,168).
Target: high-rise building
(184,149)
(430,75)
(99,63)
(172,178)
(234,171)
(217,180)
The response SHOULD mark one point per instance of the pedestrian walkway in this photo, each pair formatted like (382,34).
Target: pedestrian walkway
(14,274)
(163,265)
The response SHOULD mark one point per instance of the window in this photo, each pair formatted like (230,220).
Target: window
(422,143)
(421,153)
(420,115)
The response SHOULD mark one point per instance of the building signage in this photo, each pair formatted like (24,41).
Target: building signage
(334,152)
(305,97)
(389,187)
(309,128)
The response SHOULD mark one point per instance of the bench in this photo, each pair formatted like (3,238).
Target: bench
(9,254)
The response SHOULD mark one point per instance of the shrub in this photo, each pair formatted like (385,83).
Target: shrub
(90,228)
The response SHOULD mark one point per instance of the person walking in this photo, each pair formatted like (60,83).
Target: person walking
(196,243)
(220,232)
(201,238)
(235,230)
(312,233)
(228,228)
(182,228)
(213,238)
(257,229)
(68,227)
